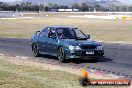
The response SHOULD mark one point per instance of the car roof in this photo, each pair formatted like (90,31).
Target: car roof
(60,27)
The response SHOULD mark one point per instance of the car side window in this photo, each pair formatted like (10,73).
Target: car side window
(52,32)
(45,32)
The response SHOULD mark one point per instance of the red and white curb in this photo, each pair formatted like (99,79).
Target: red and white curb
(116,75)
(10,55)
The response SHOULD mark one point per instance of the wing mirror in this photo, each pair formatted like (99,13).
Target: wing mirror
(37,32)
(88,36)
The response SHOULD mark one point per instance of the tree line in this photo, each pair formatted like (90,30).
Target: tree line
(83,7)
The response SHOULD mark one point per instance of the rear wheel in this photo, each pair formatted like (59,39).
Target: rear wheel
(61,54)
(35,50)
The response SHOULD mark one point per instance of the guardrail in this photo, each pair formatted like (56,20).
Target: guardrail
(8,14)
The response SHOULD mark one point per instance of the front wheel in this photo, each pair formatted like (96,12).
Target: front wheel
(61,54)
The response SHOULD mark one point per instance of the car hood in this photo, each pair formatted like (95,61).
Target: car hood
(75,42)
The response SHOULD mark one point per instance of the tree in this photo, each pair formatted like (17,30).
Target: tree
(55,6)
(46,8)
(1,3)
(124,9)
(117,8)
(130,8)
(84,7)
(75,6)
(41,7)
(97,7)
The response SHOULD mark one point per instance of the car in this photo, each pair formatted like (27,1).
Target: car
(65,42)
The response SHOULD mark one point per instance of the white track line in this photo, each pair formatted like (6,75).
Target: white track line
(24,57)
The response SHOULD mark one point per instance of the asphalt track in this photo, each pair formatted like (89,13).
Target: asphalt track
(118,57)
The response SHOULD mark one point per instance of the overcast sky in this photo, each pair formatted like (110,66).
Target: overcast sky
(128,1)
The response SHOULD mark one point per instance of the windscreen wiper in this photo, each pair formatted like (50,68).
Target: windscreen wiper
(78,38)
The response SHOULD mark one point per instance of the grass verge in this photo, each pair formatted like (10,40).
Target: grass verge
(18,76)
(13,75)
(108,30)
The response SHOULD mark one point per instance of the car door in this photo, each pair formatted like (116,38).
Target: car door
(42,40)
(52,41)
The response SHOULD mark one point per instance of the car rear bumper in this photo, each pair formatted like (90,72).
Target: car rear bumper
(82,54)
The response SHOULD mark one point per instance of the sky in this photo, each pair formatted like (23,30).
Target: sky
(128,1)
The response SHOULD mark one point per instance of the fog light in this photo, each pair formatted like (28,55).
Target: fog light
(99,47)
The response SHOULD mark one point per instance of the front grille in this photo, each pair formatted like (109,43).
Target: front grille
(88,47)
(83,53)
(78,53)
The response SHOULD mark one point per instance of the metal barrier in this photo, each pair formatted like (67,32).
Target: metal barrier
(9,14)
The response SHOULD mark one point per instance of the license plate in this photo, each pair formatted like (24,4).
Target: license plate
(90,52)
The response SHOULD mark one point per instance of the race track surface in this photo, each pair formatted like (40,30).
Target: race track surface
(118,57)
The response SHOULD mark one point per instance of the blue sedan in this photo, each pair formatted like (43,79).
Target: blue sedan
(65,43)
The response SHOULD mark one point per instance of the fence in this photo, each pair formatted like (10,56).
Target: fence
(8,14)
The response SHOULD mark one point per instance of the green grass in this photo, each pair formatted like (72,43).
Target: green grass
(20,76)
(108,30)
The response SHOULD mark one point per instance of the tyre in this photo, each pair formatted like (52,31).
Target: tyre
(35,50)
(61,55)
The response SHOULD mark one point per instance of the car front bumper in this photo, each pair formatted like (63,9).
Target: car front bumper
(83,54)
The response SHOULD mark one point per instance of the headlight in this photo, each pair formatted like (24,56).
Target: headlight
(74,47)
(71,47)
(99,47)
(77,47)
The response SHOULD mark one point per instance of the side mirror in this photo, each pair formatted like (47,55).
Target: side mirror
(88,36)
(37,32)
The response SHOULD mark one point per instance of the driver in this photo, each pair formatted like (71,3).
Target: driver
(65,34)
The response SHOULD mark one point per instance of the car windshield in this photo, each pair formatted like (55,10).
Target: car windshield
(70,33)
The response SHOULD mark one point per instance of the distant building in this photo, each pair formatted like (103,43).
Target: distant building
(109,1)
(68,10)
